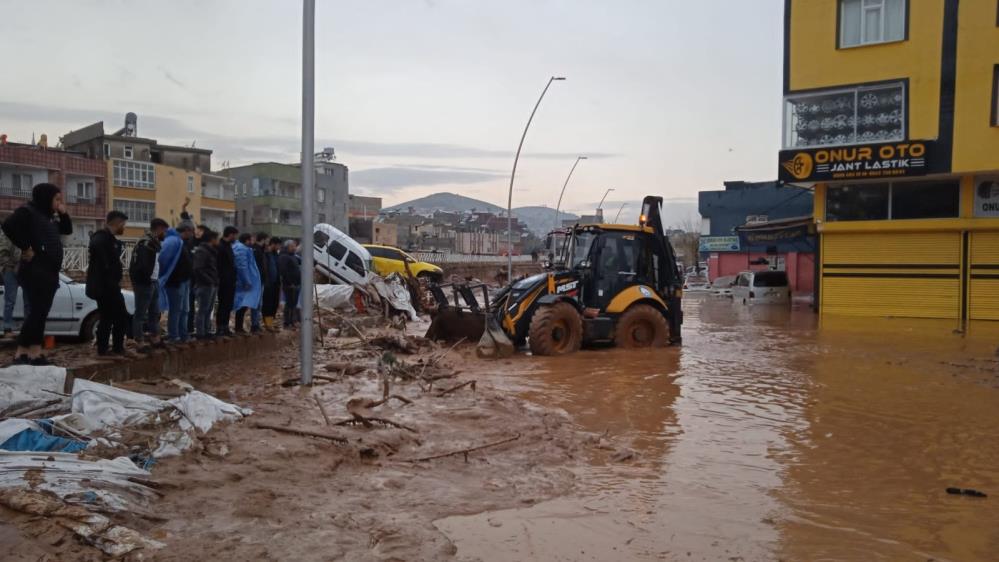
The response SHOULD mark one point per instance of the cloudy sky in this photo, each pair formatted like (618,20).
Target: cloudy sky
(664,96)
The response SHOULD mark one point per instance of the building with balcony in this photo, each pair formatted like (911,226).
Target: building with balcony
(84,184)
(269,197)
(148,179)
(891,115)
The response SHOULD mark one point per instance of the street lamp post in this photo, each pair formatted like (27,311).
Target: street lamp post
(308,154)
(559,204)
(600,206)
(619,212)
(513,174)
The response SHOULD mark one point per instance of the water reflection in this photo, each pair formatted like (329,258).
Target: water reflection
(769,434)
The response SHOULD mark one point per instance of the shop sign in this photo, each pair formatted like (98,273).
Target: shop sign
(718,244)
(773,236)
(987,197)
(885,160)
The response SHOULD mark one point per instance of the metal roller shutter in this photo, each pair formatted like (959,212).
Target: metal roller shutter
(910,274)
(983,286)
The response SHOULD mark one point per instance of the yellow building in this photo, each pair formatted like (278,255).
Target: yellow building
(147,179)
(890,112)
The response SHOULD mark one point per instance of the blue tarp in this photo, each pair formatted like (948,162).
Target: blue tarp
(32,439)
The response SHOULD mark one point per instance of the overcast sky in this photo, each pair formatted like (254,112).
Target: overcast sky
(664,96)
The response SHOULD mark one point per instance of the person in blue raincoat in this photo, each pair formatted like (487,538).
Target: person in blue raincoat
(175,280)
(248,286)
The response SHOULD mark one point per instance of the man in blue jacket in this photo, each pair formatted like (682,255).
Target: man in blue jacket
(248,289)
(176,271)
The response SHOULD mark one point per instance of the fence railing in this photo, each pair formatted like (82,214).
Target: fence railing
(75,259)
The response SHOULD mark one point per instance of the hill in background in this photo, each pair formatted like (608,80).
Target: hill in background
(538,220)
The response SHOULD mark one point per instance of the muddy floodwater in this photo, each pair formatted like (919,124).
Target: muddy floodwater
(768,436)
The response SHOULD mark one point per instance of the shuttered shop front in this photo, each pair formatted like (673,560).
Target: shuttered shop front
(983,285)
(911,274)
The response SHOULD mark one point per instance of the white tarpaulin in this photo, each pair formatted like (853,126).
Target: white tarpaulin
(24,386)
(333,297)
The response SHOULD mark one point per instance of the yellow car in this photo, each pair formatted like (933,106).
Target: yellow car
(387,260)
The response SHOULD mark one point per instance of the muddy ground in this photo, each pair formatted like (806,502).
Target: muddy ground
(252,493)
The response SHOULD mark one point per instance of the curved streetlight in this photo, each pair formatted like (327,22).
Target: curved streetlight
(559,204)
(600,205)
(619,213)
(513,174)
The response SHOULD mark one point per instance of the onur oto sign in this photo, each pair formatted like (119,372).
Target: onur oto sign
(987,197)
(884,160)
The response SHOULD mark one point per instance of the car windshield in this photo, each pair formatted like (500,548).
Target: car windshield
(580,249)
(770,279)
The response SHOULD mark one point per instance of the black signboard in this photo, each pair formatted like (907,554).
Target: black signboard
(771,236)
(866,161)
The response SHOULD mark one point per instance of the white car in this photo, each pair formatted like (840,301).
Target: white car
(762,287)
(722,286)
(339,256)
(73,313)
(694,283)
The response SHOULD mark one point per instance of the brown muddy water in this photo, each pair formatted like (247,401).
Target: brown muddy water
(768,436)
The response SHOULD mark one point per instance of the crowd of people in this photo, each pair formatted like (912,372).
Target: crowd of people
(206,282)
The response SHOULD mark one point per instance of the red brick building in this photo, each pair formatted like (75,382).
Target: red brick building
(84,183)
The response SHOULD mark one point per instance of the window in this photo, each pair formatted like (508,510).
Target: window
(770,279)
(995,95)
(256,187)
(337,250)
(134,174)
(107,150)
(322,217)
(866,22)
(137,211)
(245,224)
(128,152)
(320,195)
(22,184)
(863,114)
(381,253)
(80,192)
(320,238)
(190,184)
(895,201)
(355,263)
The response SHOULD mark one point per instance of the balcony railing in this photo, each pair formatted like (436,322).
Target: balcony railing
(11,191)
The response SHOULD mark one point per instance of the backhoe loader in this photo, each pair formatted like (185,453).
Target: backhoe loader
(617,283)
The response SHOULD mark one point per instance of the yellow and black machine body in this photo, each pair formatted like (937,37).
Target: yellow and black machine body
(617,283)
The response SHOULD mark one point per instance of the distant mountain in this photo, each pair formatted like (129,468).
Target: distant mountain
(539,220)
(450,202)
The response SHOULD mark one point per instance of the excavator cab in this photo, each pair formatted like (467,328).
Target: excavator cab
(617,283)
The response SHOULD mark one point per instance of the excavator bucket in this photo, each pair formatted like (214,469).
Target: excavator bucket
(494,343)
(452,324)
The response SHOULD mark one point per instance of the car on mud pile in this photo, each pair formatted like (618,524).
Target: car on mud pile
(762,287)
(387,260)
(73,313)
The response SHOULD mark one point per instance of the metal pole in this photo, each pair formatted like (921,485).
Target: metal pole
(509,199)
(308,189)
(600,205)
(619,213)
(559,204)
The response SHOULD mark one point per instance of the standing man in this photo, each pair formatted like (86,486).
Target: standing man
(272,283)
(175,281)
(10,256)
(259,249)
(104,273)
(227,281)
(291,281)
(248,289)
(35,228)
(144,273)
(206,282)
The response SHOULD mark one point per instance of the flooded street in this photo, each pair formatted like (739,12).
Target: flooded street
(767,436)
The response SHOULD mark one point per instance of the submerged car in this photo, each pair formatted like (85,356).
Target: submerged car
(387,260)
(722,286)
(73,313)
(762,287)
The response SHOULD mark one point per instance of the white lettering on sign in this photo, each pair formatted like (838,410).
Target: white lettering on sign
(566,287)
(987,197)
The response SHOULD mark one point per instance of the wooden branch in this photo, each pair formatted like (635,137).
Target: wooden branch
(457,387)
(335,438)
(366,421)
(322,410)
(464,452)
(30,409)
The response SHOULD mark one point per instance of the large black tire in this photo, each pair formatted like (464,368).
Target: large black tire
(641,326)
(556,329)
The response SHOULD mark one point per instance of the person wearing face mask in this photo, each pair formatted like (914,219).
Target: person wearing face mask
(104,274)
(36,228)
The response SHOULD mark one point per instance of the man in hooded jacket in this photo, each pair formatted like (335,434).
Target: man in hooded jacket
(248,289)
(104,274)
(35,228)
(176,270)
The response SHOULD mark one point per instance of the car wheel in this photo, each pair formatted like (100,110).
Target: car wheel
(88,330)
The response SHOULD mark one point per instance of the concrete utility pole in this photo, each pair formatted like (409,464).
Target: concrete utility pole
(558,224)
(513,174)
(308,177)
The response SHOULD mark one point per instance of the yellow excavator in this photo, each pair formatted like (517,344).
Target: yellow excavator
(611,283)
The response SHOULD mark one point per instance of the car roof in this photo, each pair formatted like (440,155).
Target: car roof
(338,235)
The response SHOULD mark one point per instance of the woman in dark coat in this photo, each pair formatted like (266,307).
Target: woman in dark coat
(36,228)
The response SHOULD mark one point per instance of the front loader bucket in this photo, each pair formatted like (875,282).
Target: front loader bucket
(494,343)
(452,324)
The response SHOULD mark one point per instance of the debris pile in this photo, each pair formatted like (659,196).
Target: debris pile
(79,452)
